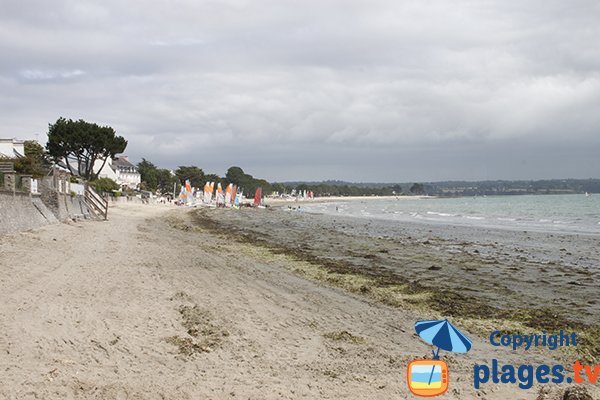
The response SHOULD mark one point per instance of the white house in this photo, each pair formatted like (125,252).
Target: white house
(127,173)
(12,148)
(107,170)
(120,170)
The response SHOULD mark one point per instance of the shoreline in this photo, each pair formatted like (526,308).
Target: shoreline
(332,199)
(474,267)
(270,201)
(427,213)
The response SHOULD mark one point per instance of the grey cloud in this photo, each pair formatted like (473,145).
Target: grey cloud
(326,89)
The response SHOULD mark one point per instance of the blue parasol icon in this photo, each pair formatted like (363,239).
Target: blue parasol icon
(443,335)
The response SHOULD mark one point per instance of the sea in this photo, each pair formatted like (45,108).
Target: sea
(573,213)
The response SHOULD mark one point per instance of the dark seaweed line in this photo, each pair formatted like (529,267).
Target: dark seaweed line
(446,302)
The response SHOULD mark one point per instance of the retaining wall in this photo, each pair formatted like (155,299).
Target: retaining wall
(65,206)
(20,211)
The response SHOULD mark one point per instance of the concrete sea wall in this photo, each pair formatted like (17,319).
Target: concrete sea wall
(20,211)
(65,206)
(27,203)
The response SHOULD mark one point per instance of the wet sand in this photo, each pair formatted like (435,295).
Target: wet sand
(542,281)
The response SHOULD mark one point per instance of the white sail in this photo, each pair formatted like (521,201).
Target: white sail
(228,194)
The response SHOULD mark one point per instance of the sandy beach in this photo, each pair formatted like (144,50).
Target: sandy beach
(161,302)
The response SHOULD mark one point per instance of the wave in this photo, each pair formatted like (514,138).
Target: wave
(441,214)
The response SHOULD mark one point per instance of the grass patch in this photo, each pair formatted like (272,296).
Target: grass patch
(188,346)
(198,324)
(203,334)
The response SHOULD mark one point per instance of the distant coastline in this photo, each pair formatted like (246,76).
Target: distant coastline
(466,188)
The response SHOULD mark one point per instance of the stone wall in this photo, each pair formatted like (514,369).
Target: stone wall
(125,199)
(25,209)
(57,196)
(65,206)
(20,211)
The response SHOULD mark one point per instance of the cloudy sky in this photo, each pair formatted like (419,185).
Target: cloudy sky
(378,90)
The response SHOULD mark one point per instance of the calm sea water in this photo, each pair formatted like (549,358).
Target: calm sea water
(547,213)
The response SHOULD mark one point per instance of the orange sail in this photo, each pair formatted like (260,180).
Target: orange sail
(206,191)
(220,198)
(228,192)
(186,193)
(257,197)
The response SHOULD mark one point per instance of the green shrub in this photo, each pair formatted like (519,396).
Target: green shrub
(104,185)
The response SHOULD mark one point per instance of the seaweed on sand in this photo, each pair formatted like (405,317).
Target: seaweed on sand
(393,289)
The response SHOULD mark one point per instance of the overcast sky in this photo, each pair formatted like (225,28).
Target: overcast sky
(378,90)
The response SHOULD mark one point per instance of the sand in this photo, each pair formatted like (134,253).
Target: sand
(158,303)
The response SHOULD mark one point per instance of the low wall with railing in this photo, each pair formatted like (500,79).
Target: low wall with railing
(21,207)
(27,203)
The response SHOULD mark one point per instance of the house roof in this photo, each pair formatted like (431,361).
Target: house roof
(122,163)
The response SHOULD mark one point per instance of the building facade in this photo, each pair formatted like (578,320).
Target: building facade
(12,148)
(127,173)
(120,170)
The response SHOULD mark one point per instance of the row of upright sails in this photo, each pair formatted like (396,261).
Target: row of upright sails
(230,197)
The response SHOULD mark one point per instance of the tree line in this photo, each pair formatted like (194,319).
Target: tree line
(506,187)
(162,180)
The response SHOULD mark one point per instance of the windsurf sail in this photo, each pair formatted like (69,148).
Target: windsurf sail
(220,198)
(257,197)
(185,195)
(206,198)
(228,192)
